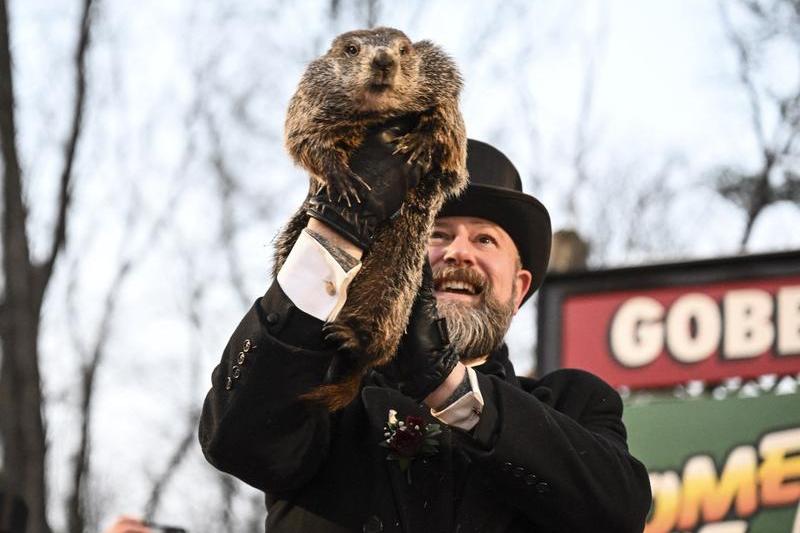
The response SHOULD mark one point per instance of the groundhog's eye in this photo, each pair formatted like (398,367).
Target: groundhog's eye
(403,50)
(351,49)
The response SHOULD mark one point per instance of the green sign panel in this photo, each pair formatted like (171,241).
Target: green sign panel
(720,465)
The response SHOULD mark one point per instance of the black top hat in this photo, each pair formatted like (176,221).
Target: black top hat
(495,193)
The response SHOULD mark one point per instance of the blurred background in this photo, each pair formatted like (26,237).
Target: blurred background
(144,179)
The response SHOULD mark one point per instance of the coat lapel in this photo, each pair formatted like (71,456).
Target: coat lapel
(426,503)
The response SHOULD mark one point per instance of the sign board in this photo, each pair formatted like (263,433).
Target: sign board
(661,325)
(720,466)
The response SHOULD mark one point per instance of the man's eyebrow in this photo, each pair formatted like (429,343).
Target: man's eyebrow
(489,225)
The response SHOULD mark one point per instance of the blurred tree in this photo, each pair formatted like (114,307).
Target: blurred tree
(25,282)
(757,29)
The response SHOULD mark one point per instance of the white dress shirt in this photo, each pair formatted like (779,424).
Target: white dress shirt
(317,284)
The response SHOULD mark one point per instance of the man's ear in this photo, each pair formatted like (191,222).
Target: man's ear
(522,279)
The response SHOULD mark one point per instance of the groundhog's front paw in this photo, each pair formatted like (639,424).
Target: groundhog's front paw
(419,148)
(345,186)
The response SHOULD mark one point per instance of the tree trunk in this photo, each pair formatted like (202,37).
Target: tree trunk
(22,428)
(21,425)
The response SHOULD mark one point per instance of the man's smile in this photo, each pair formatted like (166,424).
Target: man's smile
(458,284)
(456,296)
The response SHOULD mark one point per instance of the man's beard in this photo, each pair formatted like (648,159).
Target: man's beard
(474,330)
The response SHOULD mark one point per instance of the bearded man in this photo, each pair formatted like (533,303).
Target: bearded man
(446,437)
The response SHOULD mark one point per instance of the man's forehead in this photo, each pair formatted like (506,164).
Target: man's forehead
(473,223)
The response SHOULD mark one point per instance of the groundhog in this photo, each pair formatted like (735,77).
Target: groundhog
(366,78)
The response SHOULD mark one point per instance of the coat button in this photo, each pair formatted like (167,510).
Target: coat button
(373,525)
(507,467)
(330,288)
(273,318)
(246,345)
(518,471)
(542,487)
(236,372)
(228,383)
(240,359)
(530,479)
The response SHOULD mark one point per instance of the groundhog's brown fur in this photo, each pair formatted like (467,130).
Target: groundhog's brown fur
(339,97)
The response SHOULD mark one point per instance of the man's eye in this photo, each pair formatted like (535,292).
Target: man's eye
(438,235)
(486,239)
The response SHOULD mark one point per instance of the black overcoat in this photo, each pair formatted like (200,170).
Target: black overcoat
(548,455)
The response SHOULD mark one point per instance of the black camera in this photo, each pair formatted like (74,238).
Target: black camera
(160,528)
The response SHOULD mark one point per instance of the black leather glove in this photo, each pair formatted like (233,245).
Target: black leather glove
(389,177)
(425,357)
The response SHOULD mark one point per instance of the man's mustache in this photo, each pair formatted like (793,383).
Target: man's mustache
(447,273)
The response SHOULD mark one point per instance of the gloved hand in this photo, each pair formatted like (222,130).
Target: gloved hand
(389,177)
(425,357)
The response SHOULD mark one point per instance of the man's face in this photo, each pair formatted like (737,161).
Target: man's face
(478,280)
(482,247)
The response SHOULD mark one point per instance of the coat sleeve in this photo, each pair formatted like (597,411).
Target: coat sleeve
(253,426)
(559,454)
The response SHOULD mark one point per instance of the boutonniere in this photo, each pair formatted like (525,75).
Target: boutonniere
(408,439)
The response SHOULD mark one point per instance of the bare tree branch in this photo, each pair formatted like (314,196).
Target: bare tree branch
(334,9)
(228,486)
(255,523)
(372,8)
(745,60)
(583,123)
(45,270)
(16,259)
(189,437)
(227,187)
(175,460)
(754,191)
(81,467)
(656,194)
(78,498)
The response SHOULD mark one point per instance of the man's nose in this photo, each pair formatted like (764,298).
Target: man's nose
(458,252)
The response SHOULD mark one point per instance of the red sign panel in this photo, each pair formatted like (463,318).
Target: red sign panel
(667,336)
(675,332)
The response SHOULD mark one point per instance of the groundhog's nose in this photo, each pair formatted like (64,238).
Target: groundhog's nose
(383,62)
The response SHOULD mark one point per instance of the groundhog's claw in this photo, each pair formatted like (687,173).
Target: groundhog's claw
(345,185)
(344,337)
(418,147)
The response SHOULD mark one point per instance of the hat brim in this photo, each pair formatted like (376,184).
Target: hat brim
(522,216)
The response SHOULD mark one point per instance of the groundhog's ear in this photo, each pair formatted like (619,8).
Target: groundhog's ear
(336,43)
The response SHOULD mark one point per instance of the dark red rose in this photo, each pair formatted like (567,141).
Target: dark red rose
(406,443)
(413,422)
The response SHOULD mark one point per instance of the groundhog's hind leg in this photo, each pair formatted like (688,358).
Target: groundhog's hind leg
(379,299)
(345,336)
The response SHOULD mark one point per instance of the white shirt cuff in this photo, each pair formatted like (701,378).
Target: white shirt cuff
(313,279)
(464,413)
